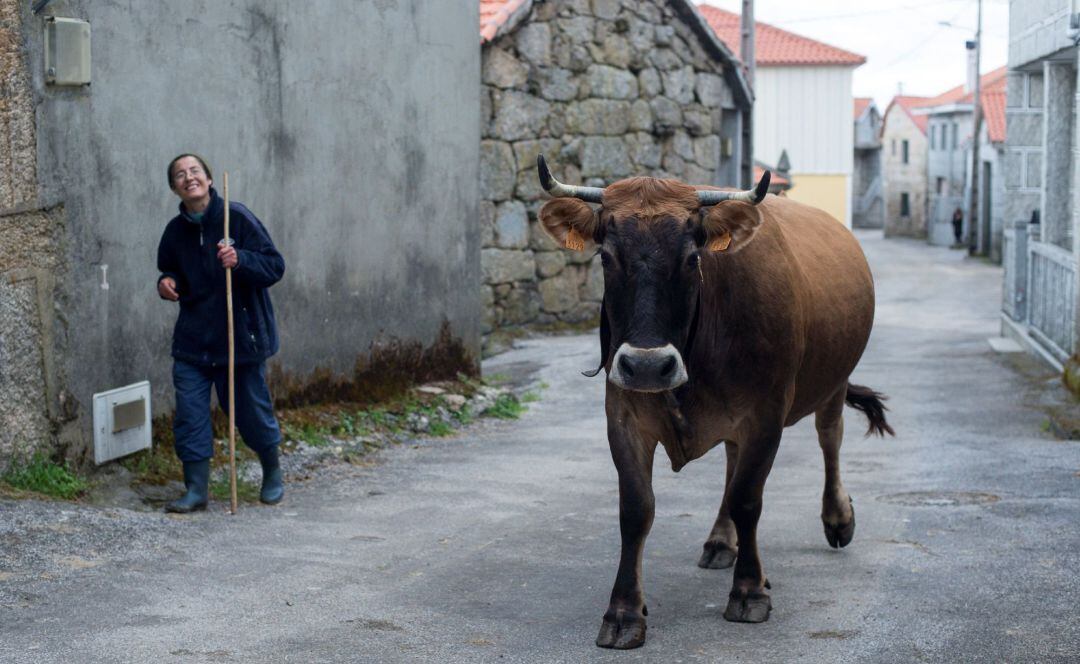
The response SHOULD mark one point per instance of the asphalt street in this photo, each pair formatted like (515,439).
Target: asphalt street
(501,544)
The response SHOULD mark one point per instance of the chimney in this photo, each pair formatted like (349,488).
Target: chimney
(969,84)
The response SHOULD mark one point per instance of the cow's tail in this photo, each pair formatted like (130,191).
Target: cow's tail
(871,404)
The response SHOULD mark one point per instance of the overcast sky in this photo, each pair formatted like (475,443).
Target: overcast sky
(902,39)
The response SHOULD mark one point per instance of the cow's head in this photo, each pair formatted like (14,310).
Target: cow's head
(650,235)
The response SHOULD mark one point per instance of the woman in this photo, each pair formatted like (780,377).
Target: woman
(192,258)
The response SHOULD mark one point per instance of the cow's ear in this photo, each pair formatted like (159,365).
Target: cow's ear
(570,222)
(729,226)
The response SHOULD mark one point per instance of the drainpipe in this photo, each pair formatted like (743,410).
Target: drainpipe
(1073,31)
(746,54)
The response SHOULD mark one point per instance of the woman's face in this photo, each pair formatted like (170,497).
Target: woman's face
(189,180)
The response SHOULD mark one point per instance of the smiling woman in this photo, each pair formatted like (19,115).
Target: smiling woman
(193,257)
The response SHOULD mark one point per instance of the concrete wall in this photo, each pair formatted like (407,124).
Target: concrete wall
(948,159)
(1036,29)
(605,90)
(1022,165)
(900,177)
(349,128)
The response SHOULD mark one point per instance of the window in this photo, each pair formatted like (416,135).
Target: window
(954,132)
(941,185)
(933,137)
(904,147)
(905,205)
(894,147)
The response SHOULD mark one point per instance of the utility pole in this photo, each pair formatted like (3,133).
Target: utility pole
(746,42)
(746,54)
(973,201)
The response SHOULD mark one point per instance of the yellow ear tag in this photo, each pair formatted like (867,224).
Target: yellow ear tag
(574,240)
(721,243)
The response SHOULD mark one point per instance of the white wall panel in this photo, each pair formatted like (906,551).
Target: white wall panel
(808,112)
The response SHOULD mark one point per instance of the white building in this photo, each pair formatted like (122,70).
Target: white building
(803,103)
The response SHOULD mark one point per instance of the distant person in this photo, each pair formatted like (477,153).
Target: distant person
(958,225)
(192,258)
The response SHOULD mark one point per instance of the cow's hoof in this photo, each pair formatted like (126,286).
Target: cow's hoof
(623,630)
(717,555)
(840,534)
(752,607)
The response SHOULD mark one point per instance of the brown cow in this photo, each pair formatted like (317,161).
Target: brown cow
(726,317)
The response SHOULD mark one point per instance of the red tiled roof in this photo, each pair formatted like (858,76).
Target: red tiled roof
(774,179)
(493,14)
(990,82)
(909,103)
(775,47)
(993,103)
(860,105)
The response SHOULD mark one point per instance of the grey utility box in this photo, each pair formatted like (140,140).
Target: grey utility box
(121,421)
(67,51)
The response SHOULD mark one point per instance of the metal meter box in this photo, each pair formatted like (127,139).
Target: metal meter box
(121,421)
(67,51)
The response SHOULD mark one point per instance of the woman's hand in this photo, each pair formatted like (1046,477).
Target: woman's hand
(166,288)
(227,255)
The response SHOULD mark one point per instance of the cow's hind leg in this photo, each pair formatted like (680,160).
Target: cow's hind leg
(722,545)
(837,513)
(624,621)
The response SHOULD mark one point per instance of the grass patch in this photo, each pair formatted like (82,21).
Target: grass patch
(45,476)
(246,492)
(506,407)
(530,397)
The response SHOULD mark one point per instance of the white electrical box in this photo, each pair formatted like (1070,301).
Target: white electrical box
(67,51)
(121,421)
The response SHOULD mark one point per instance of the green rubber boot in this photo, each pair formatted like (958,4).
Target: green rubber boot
(197,481)
(273,483)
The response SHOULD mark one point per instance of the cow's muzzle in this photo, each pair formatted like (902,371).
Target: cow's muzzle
(647,369)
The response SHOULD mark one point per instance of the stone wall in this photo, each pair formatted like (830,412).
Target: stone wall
(605,90)
(902,178)
(18,158)
(33,407)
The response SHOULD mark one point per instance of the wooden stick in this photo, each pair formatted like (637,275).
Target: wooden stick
(232,363)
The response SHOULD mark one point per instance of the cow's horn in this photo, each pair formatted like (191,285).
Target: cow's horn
(752,196)
(559,190)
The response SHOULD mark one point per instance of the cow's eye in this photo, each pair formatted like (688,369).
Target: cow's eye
(692,261)
(605,259)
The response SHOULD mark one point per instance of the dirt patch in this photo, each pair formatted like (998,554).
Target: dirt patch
(385,372)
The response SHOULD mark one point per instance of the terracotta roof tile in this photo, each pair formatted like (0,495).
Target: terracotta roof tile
(990,82)
(993,103)
(860,105)
(493,14)
(775,47)
(775,178)
(909,103)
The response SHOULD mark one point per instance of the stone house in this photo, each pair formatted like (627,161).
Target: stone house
(903,167)
(803,100)
(358,149)
(605,89)
(950,118)
(867,203)
(1042,209)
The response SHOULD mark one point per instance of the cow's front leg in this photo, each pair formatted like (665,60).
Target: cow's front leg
(749,599)
(624,620)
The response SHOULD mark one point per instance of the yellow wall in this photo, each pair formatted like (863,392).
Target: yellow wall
(827,192)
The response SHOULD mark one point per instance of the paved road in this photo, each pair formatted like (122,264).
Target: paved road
(502,545)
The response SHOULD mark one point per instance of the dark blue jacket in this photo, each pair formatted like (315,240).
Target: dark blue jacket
(188,254)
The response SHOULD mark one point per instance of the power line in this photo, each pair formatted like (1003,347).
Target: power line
(869,12)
